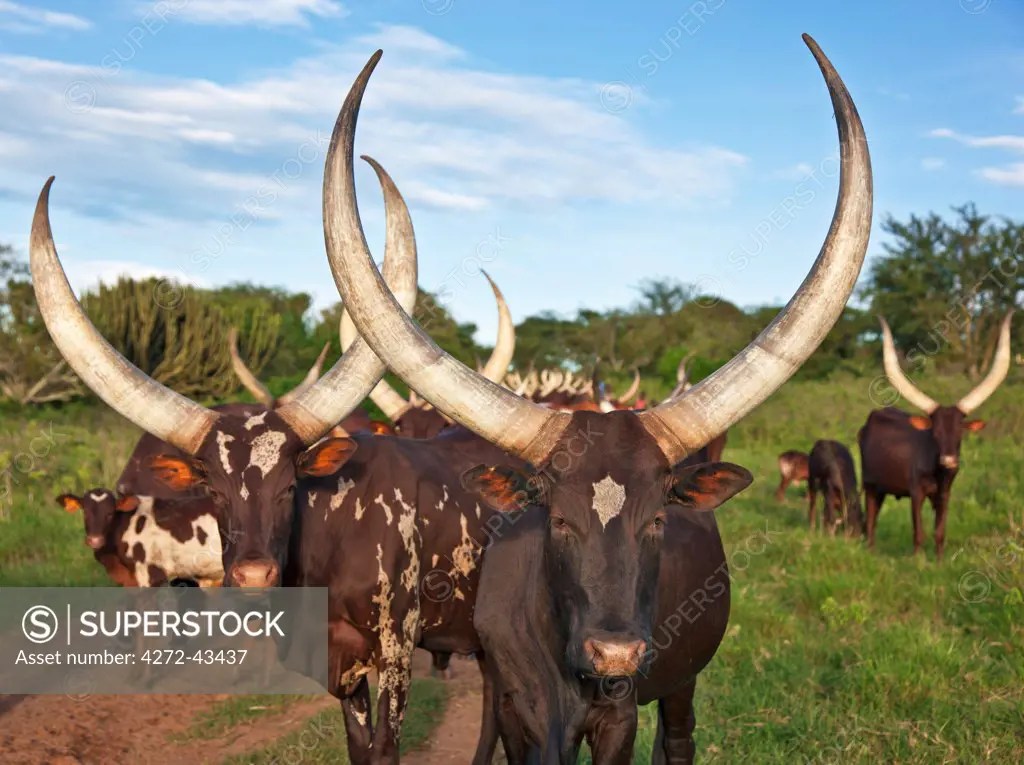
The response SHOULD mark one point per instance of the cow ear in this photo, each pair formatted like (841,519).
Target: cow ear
(708,485)
(974,425)
(127,504)
(502,488)
(69,502)
(325,458)
(175,472)
(381,428)
(920,423)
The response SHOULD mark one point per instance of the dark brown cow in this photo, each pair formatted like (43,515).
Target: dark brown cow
(832,473)
(793,468)
(615,537)
(919,457)
(146,542)
(398,542)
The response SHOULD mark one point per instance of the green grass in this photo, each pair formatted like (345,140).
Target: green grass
(218,719)
(833,655)
(321,741)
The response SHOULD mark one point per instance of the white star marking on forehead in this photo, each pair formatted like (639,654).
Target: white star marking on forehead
(609,497)
(266,450)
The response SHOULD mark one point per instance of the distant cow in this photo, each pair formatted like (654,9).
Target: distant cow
(143,542)
(793,468)
(832,473)
(913,456)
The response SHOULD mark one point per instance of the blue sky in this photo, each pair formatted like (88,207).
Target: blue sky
(569,148)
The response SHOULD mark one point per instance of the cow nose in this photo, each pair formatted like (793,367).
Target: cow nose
(615,659)
(949,461)
(255,573)
(95,541)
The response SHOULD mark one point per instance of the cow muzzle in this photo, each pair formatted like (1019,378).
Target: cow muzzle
(255,573)
(94,541)
(614,658)
(949,461)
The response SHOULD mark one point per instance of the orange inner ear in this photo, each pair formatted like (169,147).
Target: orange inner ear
(919,422)
(127,504)
(500,490)
(70,503)
(327,457)
(381,429)
(974,425)
(174,472)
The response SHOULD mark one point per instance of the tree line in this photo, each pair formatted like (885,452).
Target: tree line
(943,284)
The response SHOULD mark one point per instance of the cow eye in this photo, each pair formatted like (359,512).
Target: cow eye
(658,523)
(558,522)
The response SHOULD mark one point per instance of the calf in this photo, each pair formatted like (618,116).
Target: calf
(793,468)
(147,542)
(831,472)
(918,456)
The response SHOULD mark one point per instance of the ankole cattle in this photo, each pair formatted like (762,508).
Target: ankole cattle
(831,472)
(793,468)
(614,534)
(147,542)
(910,455)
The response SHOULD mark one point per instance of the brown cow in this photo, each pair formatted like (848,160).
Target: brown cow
(616,536)
(793,468)
(919,457)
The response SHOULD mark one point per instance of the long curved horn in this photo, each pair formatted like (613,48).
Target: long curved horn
(245,375)
(899,381)
(628,395)
(387,399)
(717,402)
(505,346)
(123,386)
(512,423)
(311,377)
(336,395)
(996,375)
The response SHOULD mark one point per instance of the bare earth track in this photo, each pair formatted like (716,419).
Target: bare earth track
(134,730)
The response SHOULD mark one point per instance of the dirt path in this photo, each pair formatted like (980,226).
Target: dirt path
(455,739)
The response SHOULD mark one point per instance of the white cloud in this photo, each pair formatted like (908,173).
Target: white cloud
(1009,175)
(86,276)
(1009,142)
(259,12)
(797,172)
(15,17)
(932,163)
(454,137)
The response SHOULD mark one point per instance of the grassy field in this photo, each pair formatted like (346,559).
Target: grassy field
(833,655)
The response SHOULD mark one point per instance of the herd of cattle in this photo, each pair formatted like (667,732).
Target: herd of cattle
(530,521)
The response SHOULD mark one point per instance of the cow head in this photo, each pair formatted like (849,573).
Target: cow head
(947,424)
(99,508)
(250,466)
(249,463)
(420,422)
(607,511)
(606,502)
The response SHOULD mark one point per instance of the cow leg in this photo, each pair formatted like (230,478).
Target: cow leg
(439,664)
(392,697)
(514,739)
(872,505)
(939,504)
(673,744)
(812,498)
(612,734)
(916,500)
(488,740)
(355,708)
(780,493)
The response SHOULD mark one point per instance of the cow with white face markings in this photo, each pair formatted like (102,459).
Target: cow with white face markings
(147,542)
(615,535)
